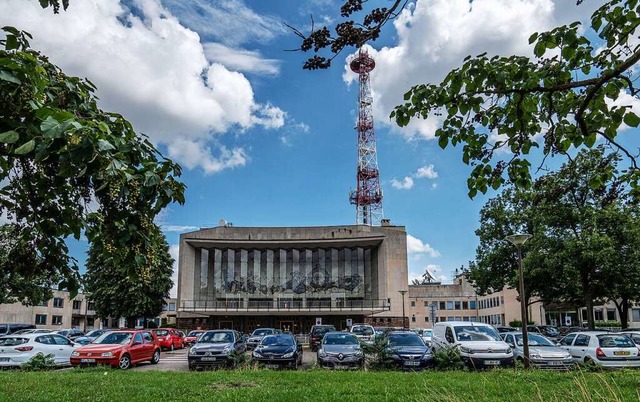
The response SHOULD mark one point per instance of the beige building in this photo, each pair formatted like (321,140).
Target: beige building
(291,277)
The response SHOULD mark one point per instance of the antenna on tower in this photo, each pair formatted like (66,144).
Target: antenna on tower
(368,196)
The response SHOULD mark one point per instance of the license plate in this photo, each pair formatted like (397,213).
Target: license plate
(555,363)
(87,360)
(492,362)
(271,366)
(341,367)
(208,359)
(412,363)
(622,353)
(4,359)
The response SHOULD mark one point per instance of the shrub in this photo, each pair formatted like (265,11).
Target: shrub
(518,323)
(448,358)
(40,362)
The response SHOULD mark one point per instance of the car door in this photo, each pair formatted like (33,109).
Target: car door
(580,346)
(149,344)
(46,344)
(137,348)
(64,348)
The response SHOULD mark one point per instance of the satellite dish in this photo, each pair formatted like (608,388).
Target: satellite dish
(222,222)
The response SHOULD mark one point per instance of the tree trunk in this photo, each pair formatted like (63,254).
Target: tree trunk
(131,322)
(623,310)
(589,305)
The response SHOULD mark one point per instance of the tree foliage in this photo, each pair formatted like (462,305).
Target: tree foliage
(61,159)
(583,237)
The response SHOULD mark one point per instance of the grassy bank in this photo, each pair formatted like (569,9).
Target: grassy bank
(317,385)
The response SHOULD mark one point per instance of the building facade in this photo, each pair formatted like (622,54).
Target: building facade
(291,277)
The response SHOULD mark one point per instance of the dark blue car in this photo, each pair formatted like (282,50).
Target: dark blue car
(407,350)
(278,351)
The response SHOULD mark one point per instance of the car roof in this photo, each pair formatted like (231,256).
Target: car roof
(400,333)
(590,333)
(463,323)
(28,335)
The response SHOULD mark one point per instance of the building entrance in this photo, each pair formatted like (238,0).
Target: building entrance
(286,326)
(225,324)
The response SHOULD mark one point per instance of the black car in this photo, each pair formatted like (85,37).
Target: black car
(316,334)
(216,348)
(505,328)
(407,350)
(72,334)
(278,351)
(549,331)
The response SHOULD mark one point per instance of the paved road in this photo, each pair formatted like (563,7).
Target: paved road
(177,361)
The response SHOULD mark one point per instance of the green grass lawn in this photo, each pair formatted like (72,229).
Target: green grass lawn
(317,385)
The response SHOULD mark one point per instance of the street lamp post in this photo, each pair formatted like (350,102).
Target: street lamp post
(403,292)
(518,240)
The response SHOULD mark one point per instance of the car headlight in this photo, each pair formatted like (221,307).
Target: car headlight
(509,351)
(192,351)
(226,349)
(256,354)
(322,353)
(466,350)
(75,354)
(107,354)
(288,355)
(535,356)
(567,356)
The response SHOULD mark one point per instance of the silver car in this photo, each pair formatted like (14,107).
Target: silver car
(543,353)
(216,348)
(340,350)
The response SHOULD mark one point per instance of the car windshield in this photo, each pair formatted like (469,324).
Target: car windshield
(615,341)
(63,332)
(362,330)
(24,331)
(216,337)
(411,339)
(551,331)
(194,333)
(277,340)
(161,332)
(94,333)
(476,333)
(340,339)
(322,330)
(427,332)
(534,340)
(12,341)
(262,332)
(114,338)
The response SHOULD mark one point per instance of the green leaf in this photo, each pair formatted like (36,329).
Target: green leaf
(533,37)
(631,119)
(26,148)
(105,145)
(443,141)
(9,137)
(11,42)
(8,76)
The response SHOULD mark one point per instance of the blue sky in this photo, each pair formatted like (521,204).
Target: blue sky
(264,143)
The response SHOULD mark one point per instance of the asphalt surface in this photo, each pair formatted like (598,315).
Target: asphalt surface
(177,361)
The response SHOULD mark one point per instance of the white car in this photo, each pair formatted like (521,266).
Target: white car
(18,349)
(605,349)
(633,334)
(364,332)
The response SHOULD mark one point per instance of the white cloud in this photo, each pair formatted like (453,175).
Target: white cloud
(426,172)
(241,60)
(405,184)
(417,246)
(152,69)
(174,250)
(625,100)
(196,153)
(434,36)
(178,228)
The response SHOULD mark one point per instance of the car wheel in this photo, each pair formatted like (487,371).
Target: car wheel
(156,357)
(125,362)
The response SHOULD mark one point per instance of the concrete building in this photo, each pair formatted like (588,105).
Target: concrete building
(291,277)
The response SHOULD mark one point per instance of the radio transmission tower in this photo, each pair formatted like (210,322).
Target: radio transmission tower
(368,196)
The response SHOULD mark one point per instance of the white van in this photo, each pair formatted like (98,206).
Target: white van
(480,344)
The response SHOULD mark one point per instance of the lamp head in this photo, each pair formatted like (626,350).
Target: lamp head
(518,239)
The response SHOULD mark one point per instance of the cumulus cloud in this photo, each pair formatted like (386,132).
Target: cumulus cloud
(426,172)
(152,69)
(405,184)
(417,246)
(434,36)
(178,228)
(423,172)
(247,61)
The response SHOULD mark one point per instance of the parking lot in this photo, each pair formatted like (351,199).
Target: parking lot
(177,361)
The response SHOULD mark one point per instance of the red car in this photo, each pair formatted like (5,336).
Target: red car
(192,337)
(121,349)
(169,338)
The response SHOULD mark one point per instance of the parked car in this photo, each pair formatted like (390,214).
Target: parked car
(169,338)
(72,333)
(91,336)
(380,331)
(316,334)
(364,332)
(192,337)
(18,349)
(340,350)
(549,331)
(216,348)
(602,348)
(32,331)
(505,328)
(543,353)
(565,330)
(633,334)
(8,329)
(278,351)
(480,344)
(406,349)
(258,334)
(121,349)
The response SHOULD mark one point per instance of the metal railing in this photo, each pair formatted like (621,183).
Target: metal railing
(285,305)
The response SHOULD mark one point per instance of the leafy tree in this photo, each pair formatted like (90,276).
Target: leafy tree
(61,158)
(582,242)
(565,92)
(117,293)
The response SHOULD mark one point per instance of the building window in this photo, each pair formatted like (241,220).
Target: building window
(91,305)
(164,307)
(599,316)
(413,304)
(75,321)
(413,318)
(426,303)
(426,319)
(457,303)
(472,304)
(443,305)
(41,319)
(90,321)
(77,304)
(56,319)
(465,305)
(635,314)
(172,307)
(449,305)
(58,302)
(611,315)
